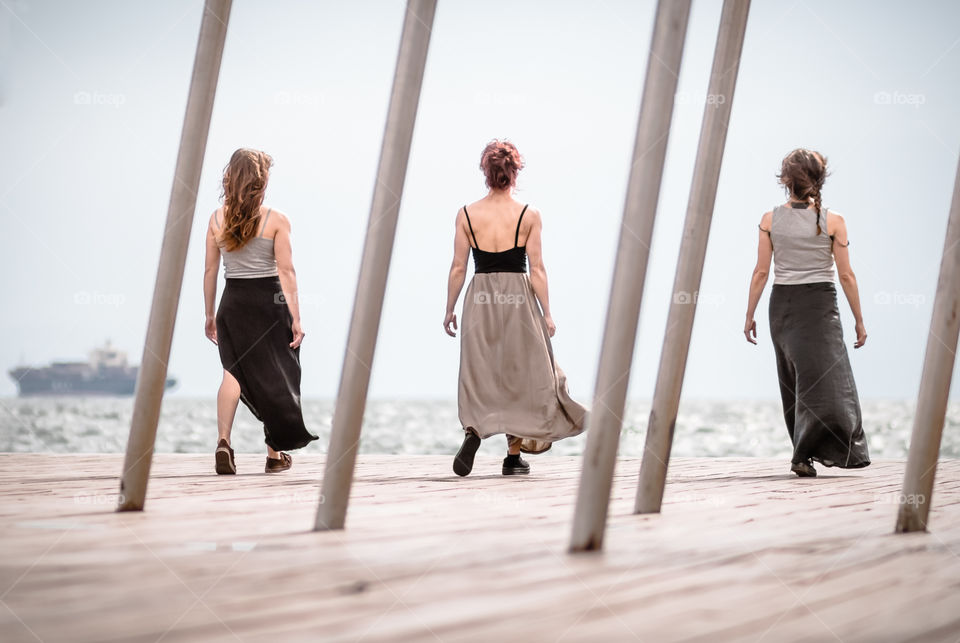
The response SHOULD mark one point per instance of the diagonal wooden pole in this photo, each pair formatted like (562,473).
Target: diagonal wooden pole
(938,363)
(626,292)
(152,376)
(693,249)
(368,302)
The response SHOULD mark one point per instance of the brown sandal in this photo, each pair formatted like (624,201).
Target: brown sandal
(276,465)
(224,458)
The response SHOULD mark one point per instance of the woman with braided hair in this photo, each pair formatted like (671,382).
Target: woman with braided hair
(804,239)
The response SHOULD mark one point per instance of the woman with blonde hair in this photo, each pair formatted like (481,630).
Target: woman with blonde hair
(509,380)
(804,239)
(257,326)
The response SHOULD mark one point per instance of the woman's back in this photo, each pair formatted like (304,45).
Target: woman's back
(254,259)
(509,382)
(821,407)
(800,254)
(496,225)
(258,340)
(495,221)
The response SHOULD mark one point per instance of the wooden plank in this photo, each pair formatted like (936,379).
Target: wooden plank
(430,556)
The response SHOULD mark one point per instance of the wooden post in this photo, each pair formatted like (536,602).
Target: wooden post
(152,376)
(626,292)
(693,248)
(368,302)
(938,366)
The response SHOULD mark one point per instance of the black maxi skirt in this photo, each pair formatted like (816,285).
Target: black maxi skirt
(820,402)
(254,335)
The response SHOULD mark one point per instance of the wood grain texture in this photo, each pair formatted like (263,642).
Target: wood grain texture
(742,551)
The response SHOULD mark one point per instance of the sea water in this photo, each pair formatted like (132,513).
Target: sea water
(704,427)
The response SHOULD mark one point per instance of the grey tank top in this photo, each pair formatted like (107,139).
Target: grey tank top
(253,260)
(800,255)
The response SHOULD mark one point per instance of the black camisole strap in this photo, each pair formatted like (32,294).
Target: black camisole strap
(470,225)
(516,237)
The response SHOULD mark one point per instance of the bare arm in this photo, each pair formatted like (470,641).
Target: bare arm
(848,280)
(760,274)
(538,272)
(210,271)
(458,273)
(288,276)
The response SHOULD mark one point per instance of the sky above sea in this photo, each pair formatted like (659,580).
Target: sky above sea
(92,97)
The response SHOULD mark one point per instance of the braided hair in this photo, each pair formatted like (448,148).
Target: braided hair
(803,172)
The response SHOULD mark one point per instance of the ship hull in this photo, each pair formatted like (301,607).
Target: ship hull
(36,382)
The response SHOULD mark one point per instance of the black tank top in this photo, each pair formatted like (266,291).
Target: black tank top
(512,260)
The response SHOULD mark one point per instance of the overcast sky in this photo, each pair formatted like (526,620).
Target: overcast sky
(93,95)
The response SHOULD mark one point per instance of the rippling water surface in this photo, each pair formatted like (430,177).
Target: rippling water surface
(704,428)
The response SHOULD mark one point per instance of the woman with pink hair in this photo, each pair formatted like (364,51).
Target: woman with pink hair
(509,380)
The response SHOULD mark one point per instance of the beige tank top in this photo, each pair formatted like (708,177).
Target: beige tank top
(800,255)
(253,260)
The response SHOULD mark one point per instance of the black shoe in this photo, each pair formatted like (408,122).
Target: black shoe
(804,469)
(514,465)
(463,462)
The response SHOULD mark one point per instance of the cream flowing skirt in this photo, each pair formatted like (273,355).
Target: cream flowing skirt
(509,380)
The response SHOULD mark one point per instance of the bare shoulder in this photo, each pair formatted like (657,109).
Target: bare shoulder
(215,218)
(766,221)
(532,216)
(460,220)
(278,220)
(835,222)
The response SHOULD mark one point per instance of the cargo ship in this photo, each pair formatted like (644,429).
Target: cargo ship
(106,372)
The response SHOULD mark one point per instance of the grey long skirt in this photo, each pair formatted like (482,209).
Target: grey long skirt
(820,402)
(509,380)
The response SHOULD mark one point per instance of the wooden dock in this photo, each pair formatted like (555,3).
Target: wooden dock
(742,551)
